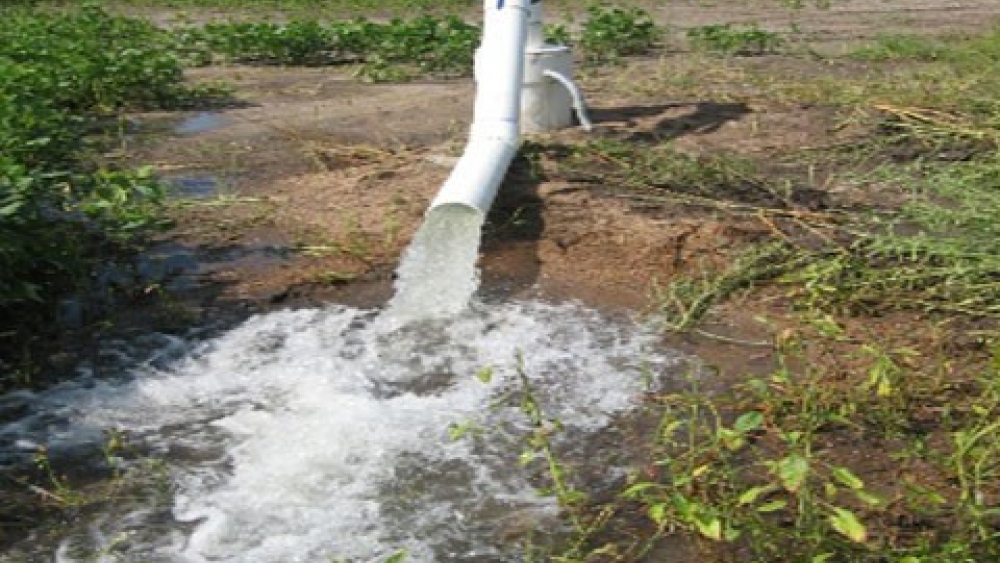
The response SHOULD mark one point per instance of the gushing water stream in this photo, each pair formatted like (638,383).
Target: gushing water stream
(437,276)
(323,435)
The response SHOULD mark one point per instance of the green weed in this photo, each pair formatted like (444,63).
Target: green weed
(902,47)
(979,49)
(682,304)
(760,474)
(937,254)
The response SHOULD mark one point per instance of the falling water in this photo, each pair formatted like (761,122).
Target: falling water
(437,275)
(330,434)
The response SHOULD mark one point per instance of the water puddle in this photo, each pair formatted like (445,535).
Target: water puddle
(193,187)
(200,123)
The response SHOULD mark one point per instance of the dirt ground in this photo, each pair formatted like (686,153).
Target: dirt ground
(308,189)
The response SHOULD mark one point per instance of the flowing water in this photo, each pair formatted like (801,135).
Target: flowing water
(341,434)
(437,275)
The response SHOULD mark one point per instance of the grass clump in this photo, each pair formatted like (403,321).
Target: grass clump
(902,47)
(939,253)
(979,49)
(657,172)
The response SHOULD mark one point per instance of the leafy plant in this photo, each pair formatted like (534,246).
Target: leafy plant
(611,33)
(730,40)
(62,75)
(425,44)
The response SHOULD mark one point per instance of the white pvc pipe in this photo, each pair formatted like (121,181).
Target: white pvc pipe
(495,134)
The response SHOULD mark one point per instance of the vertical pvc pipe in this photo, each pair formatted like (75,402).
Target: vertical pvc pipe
(495,133)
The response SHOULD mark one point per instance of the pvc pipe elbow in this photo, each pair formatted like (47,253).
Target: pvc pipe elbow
(476,178)
(578,104)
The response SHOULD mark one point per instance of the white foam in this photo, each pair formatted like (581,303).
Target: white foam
(317,434)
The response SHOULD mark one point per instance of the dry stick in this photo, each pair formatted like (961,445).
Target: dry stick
(730,340)
(947,122)
(773,227)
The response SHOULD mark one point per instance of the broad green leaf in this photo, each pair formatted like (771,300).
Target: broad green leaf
(792,470)
(732,439)
(830,490)
(458,431)
(844,476)
(748,422)
(397,557)
(710,528)
(658,513)
(772,506)
(868,498)
(845,522)
(750,496)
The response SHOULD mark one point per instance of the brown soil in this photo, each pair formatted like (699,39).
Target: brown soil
(324,179)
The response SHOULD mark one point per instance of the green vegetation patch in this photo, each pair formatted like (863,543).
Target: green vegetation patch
(62,80)
(977,49)
(400,48)
(939,253)
(728,39)
(611,33)
(428,44)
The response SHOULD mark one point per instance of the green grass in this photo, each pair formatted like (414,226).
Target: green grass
(956,49)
